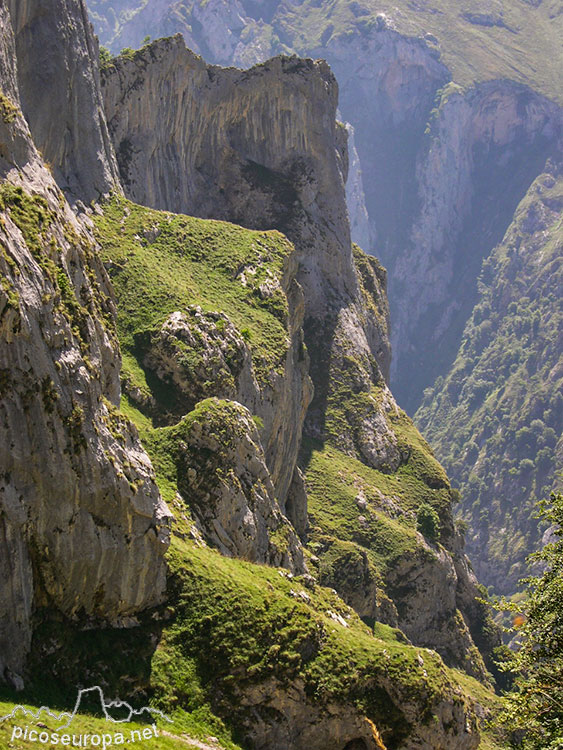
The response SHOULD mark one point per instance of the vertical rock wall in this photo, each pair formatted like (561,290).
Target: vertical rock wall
(82,524)
(60,95)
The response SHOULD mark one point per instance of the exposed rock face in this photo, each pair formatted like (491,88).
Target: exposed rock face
(60,95)
(415,584)
(362,229)
(236,155)
(223,475)
(83,526)
(201,355)
(286,718)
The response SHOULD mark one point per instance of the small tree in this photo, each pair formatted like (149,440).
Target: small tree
(534,708)
(428,522)
(105,57)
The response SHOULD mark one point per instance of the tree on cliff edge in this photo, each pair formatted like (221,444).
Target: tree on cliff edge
(534,708)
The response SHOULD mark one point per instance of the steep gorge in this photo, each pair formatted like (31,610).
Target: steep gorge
(292,178)
(446,152)
(209,313)
(455,114)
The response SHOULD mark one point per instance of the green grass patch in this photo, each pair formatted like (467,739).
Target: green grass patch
(334,482)
(8,110)
(161,262)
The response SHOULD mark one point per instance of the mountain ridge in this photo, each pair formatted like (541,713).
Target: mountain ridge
(211,330)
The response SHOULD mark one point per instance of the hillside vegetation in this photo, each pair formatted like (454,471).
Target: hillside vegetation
(497,416)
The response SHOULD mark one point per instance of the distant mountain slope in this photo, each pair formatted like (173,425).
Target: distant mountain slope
(479,40)
(454,107)
(497,416)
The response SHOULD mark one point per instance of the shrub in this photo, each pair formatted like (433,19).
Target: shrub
(428,522)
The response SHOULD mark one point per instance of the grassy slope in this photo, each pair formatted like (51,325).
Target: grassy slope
(228,625)
(529,53)
(192,261)
(198,261)
(232,624)
(496,418)
(201,649)
(185,733)
(334,481)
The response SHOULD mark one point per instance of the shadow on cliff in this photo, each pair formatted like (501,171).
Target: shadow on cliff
(68,655)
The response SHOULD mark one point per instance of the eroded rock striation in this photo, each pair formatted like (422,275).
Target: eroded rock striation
(83,526)
(59,88)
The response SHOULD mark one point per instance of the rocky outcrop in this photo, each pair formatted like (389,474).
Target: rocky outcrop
(231,151)
(222,474)
(60,94)
(415,583)
(83,526)
(199,355)
(194,355)
(288,718)
(346,567)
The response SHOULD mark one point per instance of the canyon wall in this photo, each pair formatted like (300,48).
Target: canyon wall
(455,114)
(55,42)
(83,525)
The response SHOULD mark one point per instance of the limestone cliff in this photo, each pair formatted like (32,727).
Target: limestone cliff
(60,95)
(225,147)
(83,526)
(228,148)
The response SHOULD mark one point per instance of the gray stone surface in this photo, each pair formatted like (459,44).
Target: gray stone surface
(82,524)
(60,94)
(222,474)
